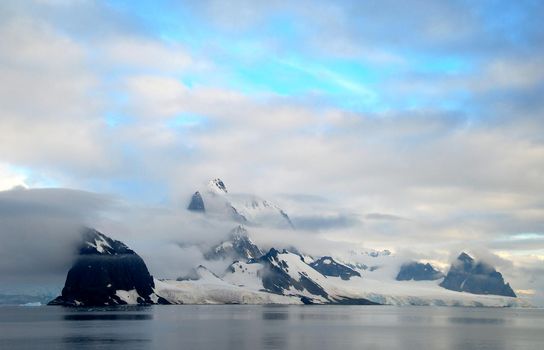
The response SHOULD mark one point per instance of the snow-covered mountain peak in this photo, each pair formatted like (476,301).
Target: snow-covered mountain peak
(238,247)
(97,243)
(215,201)
(217,186)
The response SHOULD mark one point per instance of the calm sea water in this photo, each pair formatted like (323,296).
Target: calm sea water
(271,327)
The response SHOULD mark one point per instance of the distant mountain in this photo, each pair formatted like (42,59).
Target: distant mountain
(286,273)
(418,272)
(238,246)
(467,275)
(216,201)
(106,272)
(330,267)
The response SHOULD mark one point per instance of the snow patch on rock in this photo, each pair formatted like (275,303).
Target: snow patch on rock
(128,296)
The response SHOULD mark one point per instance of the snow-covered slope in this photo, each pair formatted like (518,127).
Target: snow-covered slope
(210,289)
(216,201)
(238,246)
(357,277)
(387,291)
(286,273)
(260,211)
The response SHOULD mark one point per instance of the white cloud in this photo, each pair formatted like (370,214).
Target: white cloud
(510,74)
(48,114)
(145,54)
(10,178)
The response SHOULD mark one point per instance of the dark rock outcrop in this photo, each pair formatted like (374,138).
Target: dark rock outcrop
(197,203)
(467,275)
(238,247)
(103,268)
(329,267)
(418,272)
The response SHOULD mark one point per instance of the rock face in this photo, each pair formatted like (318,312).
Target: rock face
(467,275)
(106,272)
(197,203)
(329,267)
(238,247)
(418,272)
(278,276)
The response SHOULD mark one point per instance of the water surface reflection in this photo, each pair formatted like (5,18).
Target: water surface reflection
(268,327)
(107,317)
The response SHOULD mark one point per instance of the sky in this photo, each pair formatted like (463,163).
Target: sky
(415,126)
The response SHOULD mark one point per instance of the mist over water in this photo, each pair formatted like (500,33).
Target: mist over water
(271,327)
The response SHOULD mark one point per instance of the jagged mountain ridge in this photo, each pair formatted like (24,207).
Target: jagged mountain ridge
(285,273)
(273,273)
(215,200)
(107,272)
